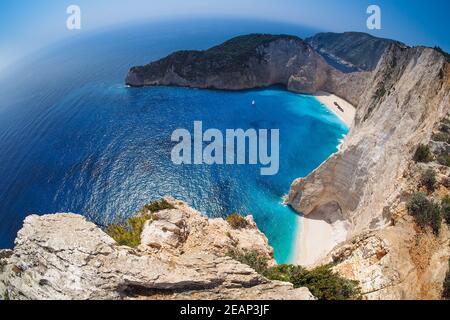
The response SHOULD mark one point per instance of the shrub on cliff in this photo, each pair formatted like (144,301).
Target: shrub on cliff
(436,218)
(441,137)
(322,281)
(445,125)
(446,55)
(236,221)
(446,291)
(423,154)
(253,259)
(128,233)
(325,284)
(158,206)
(284,272)
(380,93)
(444,160)
(417,204)
(445,208)
(425,212)
(428,180)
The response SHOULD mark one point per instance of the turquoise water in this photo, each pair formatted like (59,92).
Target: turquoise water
(73,138)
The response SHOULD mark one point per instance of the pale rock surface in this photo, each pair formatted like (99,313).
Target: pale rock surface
(396,263)
(363,177)
(440,148)
(184,229)
(63,256)
(399,261)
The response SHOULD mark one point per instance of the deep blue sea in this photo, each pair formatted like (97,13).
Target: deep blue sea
(73,138)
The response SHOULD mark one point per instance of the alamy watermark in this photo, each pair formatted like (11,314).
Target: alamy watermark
(234,146)
(374,20)
(73,22)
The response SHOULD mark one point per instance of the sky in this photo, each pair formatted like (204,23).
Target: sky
(27,26)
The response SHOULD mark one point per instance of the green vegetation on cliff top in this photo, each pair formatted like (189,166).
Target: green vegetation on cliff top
(231,55)
(128,233)
(323,282)
(246,45)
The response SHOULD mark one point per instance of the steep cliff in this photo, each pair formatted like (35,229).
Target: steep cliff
(355,50)
(405,260)
(404,98)
(365,184)
(182,256)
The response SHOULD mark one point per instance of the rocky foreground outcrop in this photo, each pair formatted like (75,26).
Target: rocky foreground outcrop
(182,256)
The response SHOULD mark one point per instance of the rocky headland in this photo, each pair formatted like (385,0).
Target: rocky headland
(248,62)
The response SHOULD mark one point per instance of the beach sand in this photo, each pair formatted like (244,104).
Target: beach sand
(347,112)
(318,234)
(316,237)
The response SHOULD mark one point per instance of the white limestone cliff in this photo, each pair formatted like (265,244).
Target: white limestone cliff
(362,186)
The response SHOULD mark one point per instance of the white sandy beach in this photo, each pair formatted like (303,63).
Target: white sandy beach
(347,112)
(317,234)
(315,238)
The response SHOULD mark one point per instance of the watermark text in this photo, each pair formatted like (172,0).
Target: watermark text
(235,146)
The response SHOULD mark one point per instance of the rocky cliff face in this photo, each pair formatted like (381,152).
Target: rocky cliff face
(402,260)
(354,50)
(404,98)
(182,256)
(366,182)
(397,263)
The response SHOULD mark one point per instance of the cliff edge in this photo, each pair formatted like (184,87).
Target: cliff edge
(182,255)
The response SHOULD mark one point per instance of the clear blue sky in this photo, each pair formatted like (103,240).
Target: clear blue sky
(26,25)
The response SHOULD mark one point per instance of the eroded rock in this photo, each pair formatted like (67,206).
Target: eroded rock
(63,256)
